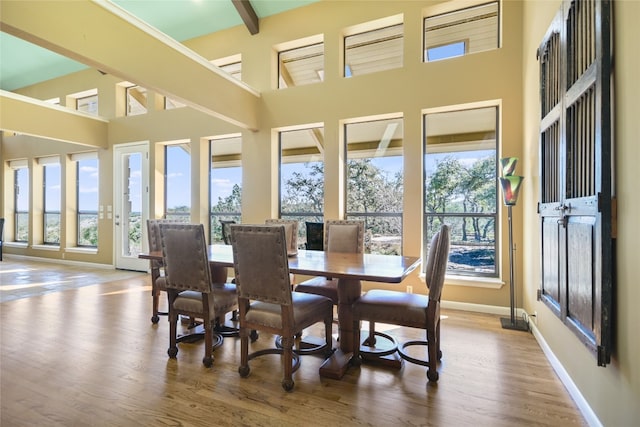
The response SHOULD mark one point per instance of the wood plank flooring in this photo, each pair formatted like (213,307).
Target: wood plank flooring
(89,356)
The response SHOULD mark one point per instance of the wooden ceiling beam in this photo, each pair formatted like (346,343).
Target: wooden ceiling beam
(248,15)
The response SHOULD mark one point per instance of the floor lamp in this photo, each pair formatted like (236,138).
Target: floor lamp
(510,188)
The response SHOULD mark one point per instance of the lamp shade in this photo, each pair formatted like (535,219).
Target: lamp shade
(508,165)
(510,188)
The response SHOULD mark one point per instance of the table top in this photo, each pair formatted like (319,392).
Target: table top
(370,267)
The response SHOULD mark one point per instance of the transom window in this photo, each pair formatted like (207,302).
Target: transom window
(136,100)
(372,51)
(301,65)
(460,187)
(463,31)
(231,65)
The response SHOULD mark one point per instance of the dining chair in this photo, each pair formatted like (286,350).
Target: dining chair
(189,286)
(265,299)
(339,236)
(158,283)
(410,310)
(290,231)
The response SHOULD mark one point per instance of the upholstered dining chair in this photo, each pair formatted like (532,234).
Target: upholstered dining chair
(158,283)
(189,286)
(339,236)
(290,231)
(410,310)
(265,299)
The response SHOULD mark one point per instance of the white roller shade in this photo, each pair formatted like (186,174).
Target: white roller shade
(89,155)
(18,164)
(49,160)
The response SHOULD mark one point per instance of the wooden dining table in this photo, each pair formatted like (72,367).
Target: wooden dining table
(349,268)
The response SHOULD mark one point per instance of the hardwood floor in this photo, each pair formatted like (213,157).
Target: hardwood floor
(89,356)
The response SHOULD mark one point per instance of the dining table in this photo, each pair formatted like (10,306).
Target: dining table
(351,269)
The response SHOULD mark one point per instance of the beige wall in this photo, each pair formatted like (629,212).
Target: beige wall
(508,75)
(613,393)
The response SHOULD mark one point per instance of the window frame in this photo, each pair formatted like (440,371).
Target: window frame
(79,159)
(46,165)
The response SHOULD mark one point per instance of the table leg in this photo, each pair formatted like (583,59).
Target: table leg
(334,367)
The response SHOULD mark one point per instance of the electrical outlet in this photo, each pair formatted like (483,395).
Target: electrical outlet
(409,289)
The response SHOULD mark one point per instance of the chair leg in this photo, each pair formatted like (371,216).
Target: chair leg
(432,339)
(208,342)
(244,369)
(287,349)
(173,331)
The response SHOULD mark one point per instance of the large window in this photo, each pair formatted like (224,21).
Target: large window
(21,200)
(302,177)
(87,198)
(225,183)
(51,202)
(302,64)
(375,182)
(463,31)
(372,51)
(460,187)
(178,182)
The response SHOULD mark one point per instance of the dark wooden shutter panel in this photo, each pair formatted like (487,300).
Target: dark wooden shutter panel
(575,168)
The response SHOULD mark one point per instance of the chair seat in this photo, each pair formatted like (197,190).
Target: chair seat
(320,286)
(398,308)
(225,296)
(306,310)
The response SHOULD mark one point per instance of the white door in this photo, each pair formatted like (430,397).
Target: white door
(131,205)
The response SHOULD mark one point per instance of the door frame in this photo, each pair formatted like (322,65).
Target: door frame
(121,261)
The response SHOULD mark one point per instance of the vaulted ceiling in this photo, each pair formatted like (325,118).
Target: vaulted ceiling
(23,63)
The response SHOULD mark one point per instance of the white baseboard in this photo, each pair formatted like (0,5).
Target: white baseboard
(60,261)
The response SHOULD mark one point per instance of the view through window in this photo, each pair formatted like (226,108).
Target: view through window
(375,182)
(21,203)
(225,183)
(178,182)
(460,187)
(302,177)
(51,184)
(87,199)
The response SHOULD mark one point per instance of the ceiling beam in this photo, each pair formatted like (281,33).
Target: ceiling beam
(104,36)
(53,121)
(248,15)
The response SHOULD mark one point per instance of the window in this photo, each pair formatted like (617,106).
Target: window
(87,198)
(302,177)
(86,101)
(136,100)
(21,200)
(460,187)
(170,104)
(375,182)
(225,183)
(231,65)
(373,51)
(463,31)
(301,65)
(51,202)
(177,185)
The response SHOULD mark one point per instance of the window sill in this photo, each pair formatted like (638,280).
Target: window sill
(46,247)
(471,281)
(80,250)
(22,245)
